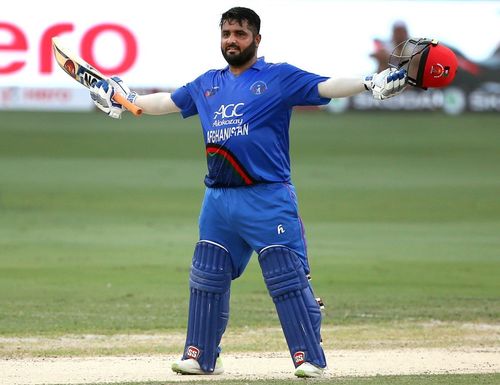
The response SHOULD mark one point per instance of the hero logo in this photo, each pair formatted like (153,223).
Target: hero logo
(193,352)
(17,42)
(228,111)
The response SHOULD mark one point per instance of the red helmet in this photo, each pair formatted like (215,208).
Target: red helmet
(428,63)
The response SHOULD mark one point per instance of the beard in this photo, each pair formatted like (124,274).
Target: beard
(239,59)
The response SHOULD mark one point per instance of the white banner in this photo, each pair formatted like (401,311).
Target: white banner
(39,98)
(166,44)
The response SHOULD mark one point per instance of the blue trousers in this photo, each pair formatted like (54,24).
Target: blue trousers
(250,218)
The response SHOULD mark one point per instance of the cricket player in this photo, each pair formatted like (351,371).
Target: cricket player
(250,203)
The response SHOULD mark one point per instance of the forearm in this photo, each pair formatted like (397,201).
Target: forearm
(156,104)
(341,87)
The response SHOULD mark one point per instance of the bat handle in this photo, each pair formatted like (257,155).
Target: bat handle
(137,111)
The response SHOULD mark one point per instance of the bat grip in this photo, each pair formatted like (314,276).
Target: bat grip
(119,98)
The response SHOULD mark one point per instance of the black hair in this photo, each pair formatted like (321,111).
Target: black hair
(239,14)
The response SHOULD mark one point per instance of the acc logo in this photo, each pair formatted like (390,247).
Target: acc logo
(299,358)
(228,111)
(193,352)
(258,88)
(438,70)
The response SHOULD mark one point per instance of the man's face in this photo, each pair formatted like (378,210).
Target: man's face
(238,43)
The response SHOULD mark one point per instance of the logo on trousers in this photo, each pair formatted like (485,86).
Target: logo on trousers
(193,352)
(299,358)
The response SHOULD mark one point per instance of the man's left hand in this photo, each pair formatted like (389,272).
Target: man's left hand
(386,84)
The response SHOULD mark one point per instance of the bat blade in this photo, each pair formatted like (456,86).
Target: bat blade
(75,66)
(84,73)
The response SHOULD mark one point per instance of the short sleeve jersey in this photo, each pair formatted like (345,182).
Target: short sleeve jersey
(246,119)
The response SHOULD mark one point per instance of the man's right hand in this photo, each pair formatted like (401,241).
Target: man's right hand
(102,94)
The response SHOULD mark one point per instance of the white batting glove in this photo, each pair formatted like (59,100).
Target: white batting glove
(386,84)
(102,94)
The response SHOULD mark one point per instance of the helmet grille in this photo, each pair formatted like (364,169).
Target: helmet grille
(411,56)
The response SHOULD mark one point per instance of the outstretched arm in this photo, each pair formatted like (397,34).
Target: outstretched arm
(156,104)
(340,87)
(383,85)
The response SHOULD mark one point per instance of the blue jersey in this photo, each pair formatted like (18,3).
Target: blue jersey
(246,119)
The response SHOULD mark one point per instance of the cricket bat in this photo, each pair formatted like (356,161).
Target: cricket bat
(84,73)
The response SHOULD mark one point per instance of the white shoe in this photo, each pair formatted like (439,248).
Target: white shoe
(308,370)
(191,366)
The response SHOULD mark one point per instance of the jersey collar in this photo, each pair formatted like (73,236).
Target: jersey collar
(258,65)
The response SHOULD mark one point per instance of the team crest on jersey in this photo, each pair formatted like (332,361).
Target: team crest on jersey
(211,92)
(259,87)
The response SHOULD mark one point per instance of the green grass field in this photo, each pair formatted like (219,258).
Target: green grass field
(98,219)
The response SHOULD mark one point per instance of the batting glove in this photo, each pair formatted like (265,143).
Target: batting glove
(386,84)
(102,94)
